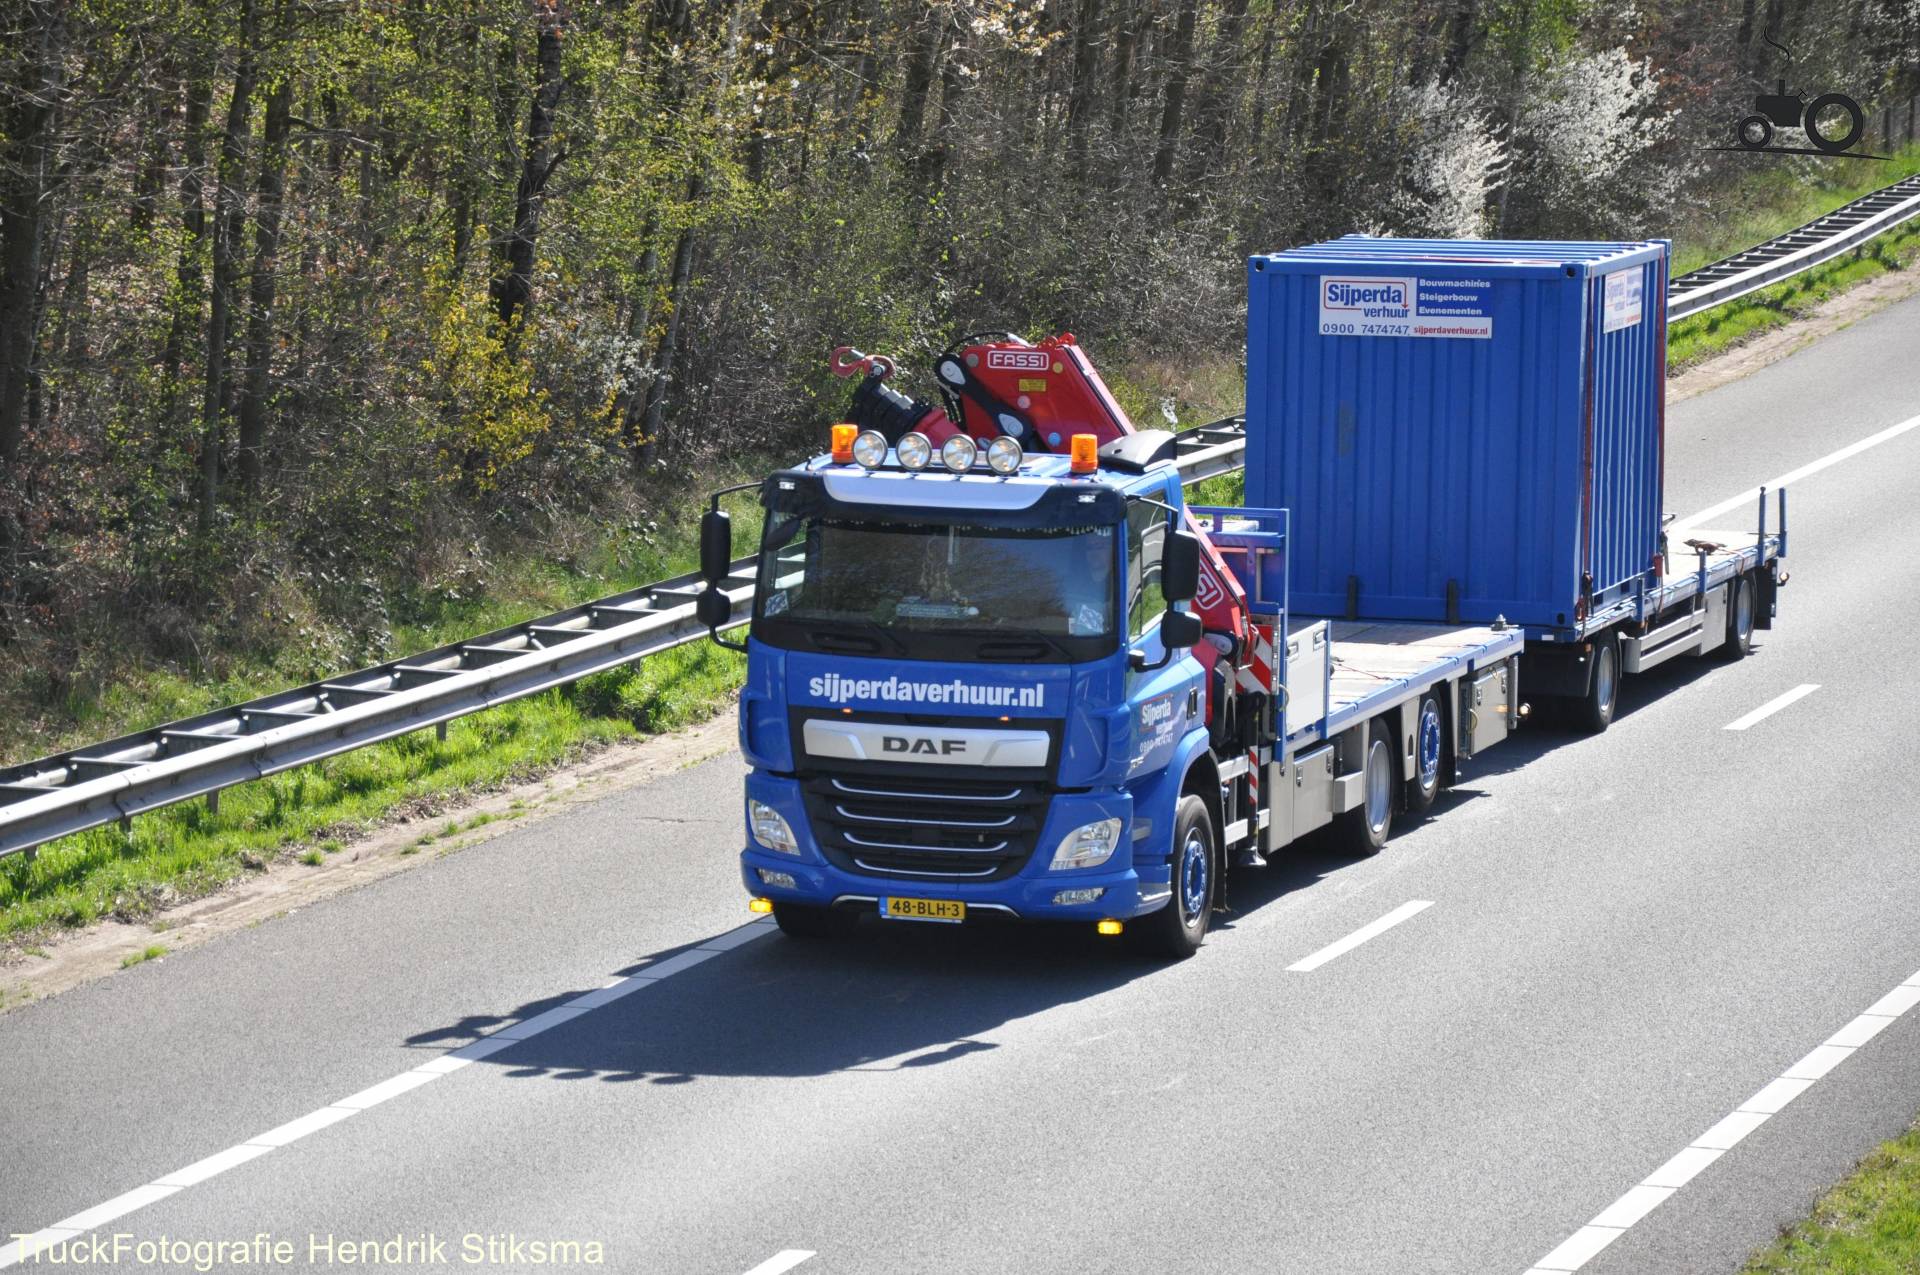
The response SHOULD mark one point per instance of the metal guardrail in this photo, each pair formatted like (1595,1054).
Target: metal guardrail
(1816,243)
(198,757)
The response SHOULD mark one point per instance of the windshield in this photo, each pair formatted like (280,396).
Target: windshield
(937,592)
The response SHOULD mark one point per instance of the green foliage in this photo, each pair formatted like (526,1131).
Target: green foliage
(486,391)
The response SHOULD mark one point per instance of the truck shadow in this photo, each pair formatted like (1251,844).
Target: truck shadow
(889,997)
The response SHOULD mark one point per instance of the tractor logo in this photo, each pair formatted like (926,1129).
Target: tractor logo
(1832,122)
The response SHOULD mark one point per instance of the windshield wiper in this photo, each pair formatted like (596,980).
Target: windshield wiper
(1026,639)
(868,627)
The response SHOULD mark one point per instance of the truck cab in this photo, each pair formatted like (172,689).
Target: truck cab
(973,694)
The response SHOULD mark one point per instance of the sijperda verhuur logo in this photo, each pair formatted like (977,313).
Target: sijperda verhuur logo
(1373,298)
(1830,122)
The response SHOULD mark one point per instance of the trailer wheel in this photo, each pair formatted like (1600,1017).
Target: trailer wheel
(1594,713)
(1177,930)
(797,920)
(1739,621)
(1429,744)
(1363,830)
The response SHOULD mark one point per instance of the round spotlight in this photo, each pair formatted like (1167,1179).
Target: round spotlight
(1003,455)
(958,453)
(870,449)
(914,450)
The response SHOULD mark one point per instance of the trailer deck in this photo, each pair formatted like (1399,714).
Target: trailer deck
(1367,667)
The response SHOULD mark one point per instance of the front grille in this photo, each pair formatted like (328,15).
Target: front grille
(931,827)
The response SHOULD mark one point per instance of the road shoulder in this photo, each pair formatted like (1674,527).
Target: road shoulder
(51,965)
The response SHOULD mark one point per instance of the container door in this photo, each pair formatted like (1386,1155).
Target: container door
(1625,398)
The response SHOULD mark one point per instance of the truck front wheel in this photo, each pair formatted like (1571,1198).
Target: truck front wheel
(1177,930)
(799,921)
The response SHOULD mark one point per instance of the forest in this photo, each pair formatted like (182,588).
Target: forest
(302,300)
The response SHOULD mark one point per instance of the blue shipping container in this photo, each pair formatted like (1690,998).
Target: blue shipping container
(1462,430)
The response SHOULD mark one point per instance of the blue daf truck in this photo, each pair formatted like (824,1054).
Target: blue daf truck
(999,669)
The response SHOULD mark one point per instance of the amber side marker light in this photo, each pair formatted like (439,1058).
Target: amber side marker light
(1085,451)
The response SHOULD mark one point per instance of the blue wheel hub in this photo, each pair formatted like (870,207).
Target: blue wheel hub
(1429,745)
(1193,876)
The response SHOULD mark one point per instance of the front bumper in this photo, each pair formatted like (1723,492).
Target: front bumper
(1123,895)
(1128,889)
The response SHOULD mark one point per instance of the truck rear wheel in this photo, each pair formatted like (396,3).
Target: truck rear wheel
(1594,713)
(1739,621)
(1363,830)
(1429,748)
(1177,930)
(797,920)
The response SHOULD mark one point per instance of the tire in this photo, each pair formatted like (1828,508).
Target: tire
(797,920)
(1833,145)
(1739,621)
(1429,756)
(1363,830)
(1594,713)
(1177,930)
(1755,132)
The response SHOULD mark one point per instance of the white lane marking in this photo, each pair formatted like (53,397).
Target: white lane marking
(1773,706)
(1613,1221)
(29,1246)
(785,1260)
(1750,497)
(1359,936)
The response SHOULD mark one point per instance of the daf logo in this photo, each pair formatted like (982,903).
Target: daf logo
(929,747)
(943,746)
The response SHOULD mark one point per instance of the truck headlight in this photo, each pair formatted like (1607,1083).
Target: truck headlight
(770,828)
(1088,846)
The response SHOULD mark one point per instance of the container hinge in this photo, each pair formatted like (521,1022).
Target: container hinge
(1453,602)
(1353,597)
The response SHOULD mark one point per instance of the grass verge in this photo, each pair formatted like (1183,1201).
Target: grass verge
(1867,1225)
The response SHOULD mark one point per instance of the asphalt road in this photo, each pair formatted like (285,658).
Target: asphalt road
(1628,937)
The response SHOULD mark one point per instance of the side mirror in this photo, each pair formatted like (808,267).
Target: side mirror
(716,546)
(1180,570)
(713,608)
(1179,630)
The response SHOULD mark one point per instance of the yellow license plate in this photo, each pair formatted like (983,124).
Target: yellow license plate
(949,910)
